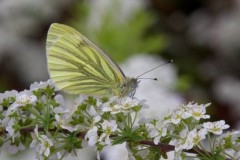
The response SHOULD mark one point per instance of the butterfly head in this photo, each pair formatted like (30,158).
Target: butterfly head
(129,87)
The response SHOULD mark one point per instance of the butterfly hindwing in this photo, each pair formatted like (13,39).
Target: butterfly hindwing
(77,66)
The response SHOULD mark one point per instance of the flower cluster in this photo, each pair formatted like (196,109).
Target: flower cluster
(41,119)
(230,143)
(184,127)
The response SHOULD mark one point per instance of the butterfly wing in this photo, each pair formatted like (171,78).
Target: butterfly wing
(78,66)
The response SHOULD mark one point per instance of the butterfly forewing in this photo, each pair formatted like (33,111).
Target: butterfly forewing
(77,66)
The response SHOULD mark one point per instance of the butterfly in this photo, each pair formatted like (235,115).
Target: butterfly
(78,66)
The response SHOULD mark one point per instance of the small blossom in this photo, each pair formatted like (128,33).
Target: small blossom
(60,100)
(195,105)
(35,137)
(177,155)
(42,85)
(194,136)
(10,127)
(41,143)
(60,110)
(230,143)
(182,142)
(216,127)
(11,130)
(92,136)
(157,131)
(96,119)
(7,94)
(80,99)
(195,110)
(187,139)
(22,99)
(199,113)
(104,139)
(92,111)
(13,149)
(229,139)
(64,124)
(124,106)
(176,116)
(109,126)
(45,145)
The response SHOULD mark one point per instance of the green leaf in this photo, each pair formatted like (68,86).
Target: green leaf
(100,147)
(91,101)
(228,142)
(137,138)
(82,107)
(5,102)
(37,93)
(120,140)
(120,117)
(104,99)
(136,108)
(49,92)
(164,155)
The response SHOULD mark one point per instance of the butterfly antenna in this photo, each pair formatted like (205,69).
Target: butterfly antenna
(154,79)
(154,69)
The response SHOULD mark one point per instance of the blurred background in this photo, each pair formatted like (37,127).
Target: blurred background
(201,36)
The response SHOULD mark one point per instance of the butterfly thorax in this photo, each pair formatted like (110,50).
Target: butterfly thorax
(128,87)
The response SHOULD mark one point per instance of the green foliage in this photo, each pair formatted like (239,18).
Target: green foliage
(124,37)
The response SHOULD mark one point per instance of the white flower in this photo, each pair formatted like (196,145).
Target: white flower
(194,136)
(92,136)
(41,143)
(195,105)
(13,149)
(182,142)
(60,100)
(229,136)
(80,99)
(177,155)
(122,105)
(115,109)
(41,85)
(176,116)
(194,110)
(230,143)
(187,139)
(23,98)
(104,139)
(45,145)
(96,119)
(7,94)
(64,124)
(156,131)
(109,126)
(92,111)
(11,130)
(35,137)
(60,110)
(216,127)
(237,155)
(198,113)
